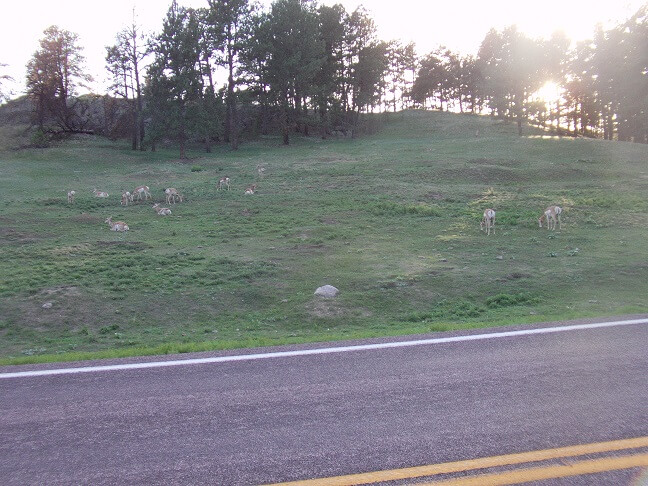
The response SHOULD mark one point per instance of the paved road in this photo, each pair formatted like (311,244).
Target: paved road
(288,418)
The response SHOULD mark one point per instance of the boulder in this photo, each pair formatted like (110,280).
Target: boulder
(327,291)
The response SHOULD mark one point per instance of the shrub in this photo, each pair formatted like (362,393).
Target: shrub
(40,139)
(509,300)
(388,207)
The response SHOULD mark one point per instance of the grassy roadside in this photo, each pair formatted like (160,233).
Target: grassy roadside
(392,220)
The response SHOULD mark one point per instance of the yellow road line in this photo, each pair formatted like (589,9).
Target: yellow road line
(549,472)
(471,464)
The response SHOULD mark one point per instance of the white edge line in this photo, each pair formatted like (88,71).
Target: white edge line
(306,352)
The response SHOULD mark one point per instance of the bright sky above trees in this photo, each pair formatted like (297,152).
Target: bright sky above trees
(459,24)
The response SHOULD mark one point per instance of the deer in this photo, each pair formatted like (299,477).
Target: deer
(171,195)
(224,181)
(161,211)
(142,190)
(551,214)
(99,193)
(126,198)
(71,196)
(116,225)
(251,189)
(260,170)
(488,221)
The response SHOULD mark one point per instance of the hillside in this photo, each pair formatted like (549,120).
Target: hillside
(392,220)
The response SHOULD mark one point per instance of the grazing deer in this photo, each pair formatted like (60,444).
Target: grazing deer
(551,214)
(99,193)
(161,211)
(488,221)
(126,198)
(142,190)
(224,181)
(251,189)
(171,195)
(116,225)
(71,197)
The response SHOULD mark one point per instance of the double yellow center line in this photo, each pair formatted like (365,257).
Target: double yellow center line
(574,468)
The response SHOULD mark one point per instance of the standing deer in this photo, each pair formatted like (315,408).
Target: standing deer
(551,214)
(126,198)
(224,181)
(71,197)
(116,225)
(171,195)
(488,221)
(142,190)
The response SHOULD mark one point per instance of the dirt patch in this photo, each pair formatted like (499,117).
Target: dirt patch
(433,196)
(516,276)
(11,235)
(307,249)
(60,291)
(330,308)
(329,221)
(334,308)
(126,244)
(70,250)
(188,160)
(66,306)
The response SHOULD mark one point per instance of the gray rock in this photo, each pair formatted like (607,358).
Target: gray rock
(327,291)
(47,305)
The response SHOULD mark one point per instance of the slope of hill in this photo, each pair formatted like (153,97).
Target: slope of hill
(392,220)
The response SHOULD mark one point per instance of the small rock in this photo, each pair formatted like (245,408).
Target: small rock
(47,305)
(499,257)
(327,291)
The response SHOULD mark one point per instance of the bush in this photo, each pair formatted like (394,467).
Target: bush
(460,309)
(40,139)
(509,300)
(392,208)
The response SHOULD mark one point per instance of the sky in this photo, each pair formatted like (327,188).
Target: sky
(457,24)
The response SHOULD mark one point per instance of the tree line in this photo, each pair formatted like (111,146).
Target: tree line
(233,69)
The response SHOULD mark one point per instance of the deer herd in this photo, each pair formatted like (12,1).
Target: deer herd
(144,193)
(551,215)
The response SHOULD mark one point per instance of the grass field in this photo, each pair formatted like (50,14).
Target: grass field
(391,219)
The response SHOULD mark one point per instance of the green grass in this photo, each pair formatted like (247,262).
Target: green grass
(391,219)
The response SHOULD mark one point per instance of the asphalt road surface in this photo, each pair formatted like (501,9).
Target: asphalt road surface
(294,417)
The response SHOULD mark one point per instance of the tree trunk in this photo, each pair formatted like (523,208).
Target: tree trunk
(284,121)
(134,127)
(183,134)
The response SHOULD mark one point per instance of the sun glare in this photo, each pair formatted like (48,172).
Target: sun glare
(549,93)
